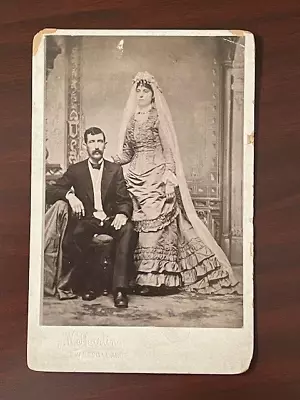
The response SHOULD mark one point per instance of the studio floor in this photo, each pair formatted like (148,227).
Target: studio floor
(183,309)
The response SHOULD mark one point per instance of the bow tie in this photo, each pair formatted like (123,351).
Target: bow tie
(96,166)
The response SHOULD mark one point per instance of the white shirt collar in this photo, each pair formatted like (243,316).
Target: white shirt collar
(91,162)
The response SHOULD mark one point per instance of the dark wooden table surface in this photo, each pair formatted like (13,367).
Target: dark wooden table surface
(275,370)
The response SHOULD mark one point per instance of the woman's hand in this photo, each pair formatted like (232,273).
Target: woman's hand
(170,191)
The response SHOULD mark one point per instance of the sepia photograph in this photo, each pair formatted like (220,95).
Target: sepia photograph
(143,182)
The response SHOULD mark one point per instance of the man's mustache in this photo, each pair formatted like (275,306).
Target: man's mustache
(97,151)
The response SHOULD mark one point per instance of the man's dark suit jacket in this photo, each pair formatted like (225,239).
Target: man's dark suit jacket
(115,197)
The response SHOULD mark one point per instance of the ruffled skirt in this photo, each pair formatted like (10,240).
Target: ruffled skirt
(169,253)
(175,257)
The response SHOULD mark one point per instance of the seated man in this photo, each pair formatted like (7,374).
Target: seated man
(101,203)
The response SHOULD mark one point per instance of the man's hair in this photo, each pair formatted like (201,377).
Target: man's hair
(93,131)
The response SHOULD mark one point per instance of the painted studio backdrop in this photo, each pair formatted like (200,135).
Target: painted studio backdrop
(88,80)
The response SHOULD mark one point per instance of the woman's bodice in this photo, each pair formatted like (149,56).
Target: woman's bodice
(144,147)
(145,144)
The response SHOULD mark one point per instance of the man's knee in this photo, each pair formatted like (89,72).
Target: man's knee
(127,228)
(79,231)
(61,206)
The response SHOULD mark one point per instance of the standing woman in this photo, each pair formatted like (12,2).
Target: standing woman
(175,249)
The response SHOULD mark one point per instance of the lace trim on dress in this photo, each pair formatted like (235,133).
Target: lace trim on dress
(153,225)
(191,265)
(138,131)
(175,253)
(207,277)
(156,253)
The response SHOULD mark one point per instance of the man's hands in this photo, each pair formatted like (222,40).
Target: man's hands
(119,221)
(76,205)
(78,209)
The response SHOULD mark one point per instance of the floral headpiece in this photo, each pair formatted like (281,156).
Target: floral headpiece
(145,77)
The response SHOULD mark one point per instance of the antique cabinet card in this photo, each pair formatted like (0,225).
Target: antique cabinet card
(141,257)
